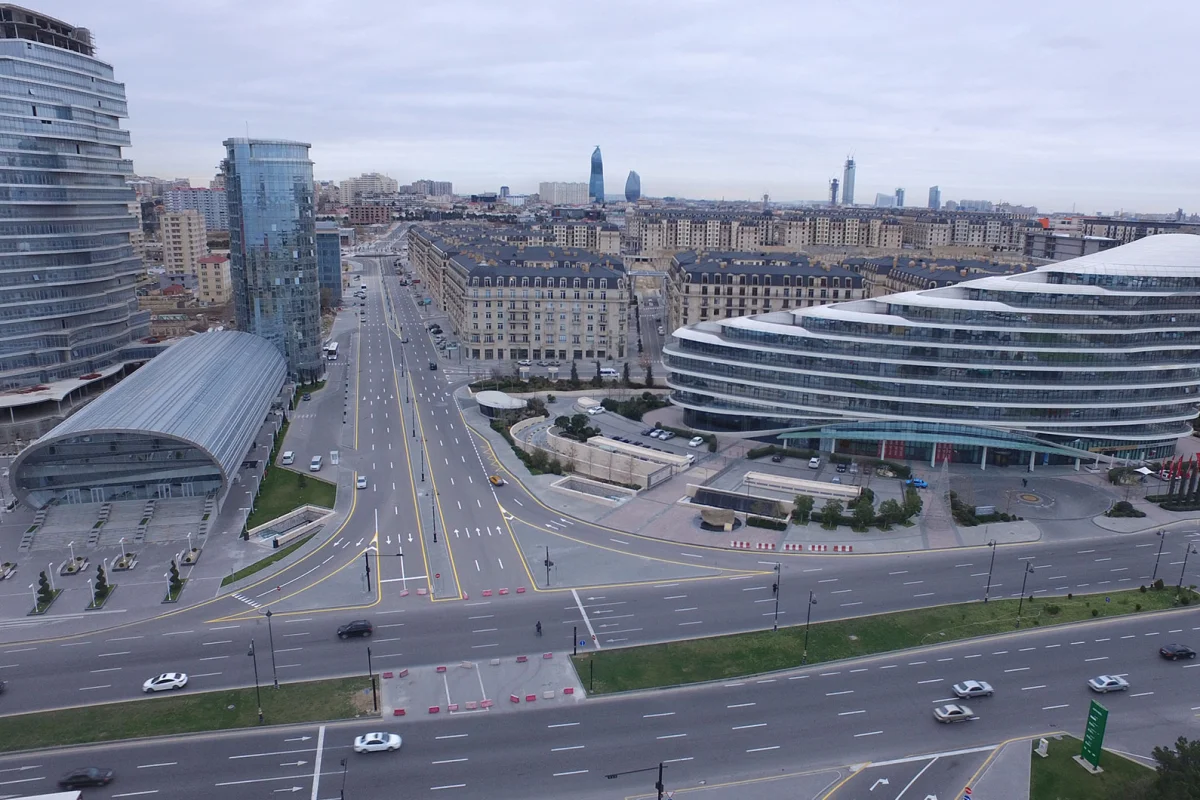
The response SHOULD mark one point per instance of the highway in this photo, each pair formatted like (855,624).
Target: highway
(866,710)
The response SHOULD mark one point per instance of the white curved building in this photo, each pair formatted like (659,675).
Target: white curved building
(1098,355)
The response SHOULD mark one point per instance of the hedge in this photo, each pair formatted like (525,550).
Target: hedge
(763,522)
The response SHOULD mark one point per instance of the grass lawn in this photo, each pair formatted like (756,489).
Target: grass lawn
(721,657)
(283,490)
(1059,777)
(263,563)
(311,701)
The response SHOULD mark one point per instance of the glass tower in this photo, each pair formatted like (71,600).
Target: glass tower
(67,269)
(272,248)
(633,187)
(596,184)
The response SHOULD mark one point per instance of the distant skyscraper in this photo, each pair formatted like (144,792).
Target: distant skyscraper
(69,268)
(935,198)
(209,202)
(848,183)
(596,184)
(884,200)
(503,192)
(633,187)
(833,192)
(899,197)
(272,248)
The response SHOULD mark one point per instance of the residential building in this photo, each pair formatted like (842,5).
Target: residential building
(654,232)
(935,198)
(433,188)
(1054,246)
(71,324)
(597,237)
(506,302)
(370,214)
(329,260)
(210,203)
(137,237)
(1095,357)
(848,182)
(899,197)
(214,286)
(705,286)
(184,240)
(633,187)
(273,260)
(914,275)
(369,185)
(1129,230)
(596,182)
(563,194)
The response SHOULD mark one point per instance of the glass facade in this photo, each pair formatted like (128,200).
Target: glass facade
(633,187)
(596,184)
(272,241)
(1097,355)
(329,259)
(68,306)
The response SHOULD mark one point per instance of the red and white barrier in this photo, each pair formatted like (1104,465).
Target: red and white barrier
(487,592)
(472,705)
(397,712)
(843,548)
(818,548)
(504,591)
(514,698)
(740,545)
(765,545)
(434,709)
(569,690)
(547,655)
(529,698)
(441,669)
(520,590)
(792,548)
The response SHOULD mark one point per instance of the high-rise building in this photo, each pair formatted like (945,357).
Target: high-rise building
(833,192)
(184,241)
(563,194)
(213,282)
(369,185)
(935,198)
(899,197)
(504,192)
(848,182)
(272,248)
(329,259)
(433,188)
(633,187)
(596,184)
(69,268)
(884,200)
(209,202)
(218,182)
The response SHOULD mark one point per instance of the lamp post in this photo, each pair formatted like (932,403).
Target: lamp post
(257,690)
(775,589)
(1162,539)
(50,574)
(1191,548)
(658,784)
(433,510)
(812,601)
(271,635)
(342,793)
(1024,578)
(422,465)
(992,563)
(91,591)
(371,675)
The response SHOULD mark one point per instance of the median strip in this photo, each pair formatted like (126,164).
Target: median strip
(724,657)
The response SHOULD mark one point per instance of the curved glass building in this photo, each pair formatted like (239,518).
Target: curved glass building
(1096,356)
(633,187)
(596,184)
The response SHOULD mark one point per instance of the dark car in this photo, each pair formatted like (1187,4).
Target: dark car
(648,431)
(359,627)
(306,397)
(1176,651)
(841,467)
(777,458)
(85,776)
(433,365)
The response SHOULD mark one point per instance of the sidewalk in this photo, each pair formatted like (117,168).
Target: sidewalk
(1007,774)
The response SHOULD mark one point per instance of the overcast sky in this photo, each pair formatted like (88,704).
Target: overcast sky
(1057,104)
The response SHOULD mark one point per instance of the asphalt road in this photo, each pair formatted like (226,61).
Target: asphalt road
(869,710)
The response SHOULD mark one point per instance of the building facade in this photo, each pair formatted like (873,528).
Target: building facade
(563,194)
(1096,357)
(935,198)
(329,260)
(596,182)
(272,248)
(1129,230)
(433,188)
(633,187)
(209,202)
(1055,246)
(213,283)
(370,214)
(367,186)
(184,240)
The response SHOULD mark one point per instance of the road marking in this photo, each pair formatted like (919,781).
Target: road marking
(586,621)
(1051,708)
(89,688)
(690,555)
(562,774)
(690,608)
(135,794)
(1031,688)
(671,736)
(108,655)
(1141,694)
(835,591)
(872,733)
(556,725)
(106,669)
(741,705)
(836,694)
(561,749)
(662,714)
(857,603)
(912,583)
(931,680)
(161,764)
(676,760)
(924,594)
(1097,658)
(849,713)
(447,786)
(762,749)
(899,572)
(1017,669)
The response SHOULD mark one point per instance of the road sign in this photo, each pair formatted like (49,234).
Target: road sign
(1093,733)
(437,574)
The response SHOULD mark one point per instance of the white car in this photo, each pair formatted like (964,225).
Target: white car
(1104,684)
(973,689)
(814,462)
(594,410)
(376,742)
(953,713)
(696,441)
(165,682)
(525,362)
(361,482)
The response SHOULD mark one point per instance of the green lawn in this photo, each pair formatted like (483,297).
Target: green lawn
(1059,777)
(284,490)
(263,563)
(723,657)
(312,701)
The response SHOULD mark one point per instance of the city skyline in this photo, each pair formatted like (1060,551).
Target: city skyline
(490,114)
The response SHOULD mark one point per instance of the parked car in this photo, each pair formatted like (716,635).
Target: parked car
(695,441)
(953,713)
(376,742)
(594,410)
(1104,684)
(814,462)
(649,432)
(359,627)
(1176,651)
(972,689)
(841,467)
(916,483)
(777,458)
(165,682)
(525,362)
(666,435)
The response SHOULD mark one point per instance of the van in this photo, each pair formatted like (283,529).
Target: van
(608,372)
(288,458)
(315,464)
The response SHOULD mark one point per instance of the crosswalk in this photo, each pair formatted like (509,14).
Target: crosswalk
(247,600)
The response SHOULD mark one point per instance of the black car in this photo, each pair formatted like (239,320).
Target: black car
(433,365)
(777,458)
(85,776)
(841,467)
(359,627)
(1176,651)
(306,397)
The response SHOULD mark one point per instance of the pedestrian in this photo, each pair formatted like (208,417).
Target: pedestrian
(1024,483)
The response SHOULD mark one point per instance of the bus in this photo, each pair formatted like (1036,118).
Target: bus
(331,351)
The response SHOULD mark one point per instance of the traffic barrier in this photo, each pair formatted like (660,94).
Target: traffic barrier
(387,675)
(441,669)
(452,707)
(487,703)
(504,591)
(520,590)
(487,592)
(471,705)
(466,596)
(422,592)
(467,665)
(818,548)
(765,545)
(495,662)
(843,548)
(397,712)
(435,709)
(514,698)
(529,698)
(740,545)
(548,694)
(404,592)
(569,690)
(403,673)
(522,659)
(792,548)
(547,655)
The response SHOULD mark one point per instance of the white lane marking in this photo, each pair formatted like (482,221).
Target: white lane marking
(762,749)
(741,705)
(671,736)
(1031,688)
(872,733)
(850,713)
(1051,708)
(662,714)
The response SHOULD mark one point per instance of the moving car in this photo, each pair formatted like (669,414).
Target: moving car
(86,776)
(1176,651)
(973,689)
(594,410)
(496,480)
(1104,684)
(306,397)
(953,713)
(289,456)
(525,362)
(916,483)
(361,483)
(695,441)
(376,742)
(359,627)
(433,365)
(814,462)
(165,682)
(315,464)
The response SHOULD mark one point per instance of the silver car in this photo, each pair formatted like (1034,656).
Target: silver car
(973,689)
(953,713)
(1104,684)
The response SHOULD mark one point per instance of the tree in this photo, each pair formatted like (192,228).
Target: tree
(831,513)
(101,582)
(867,495)
(44,593)
(890,512)
(864,514)
(563,422)
(597,379)
(804,507)
(574,374)
(175,583)
(912,502)
(1178,771)
(649,376)
(625,375)
(326,300)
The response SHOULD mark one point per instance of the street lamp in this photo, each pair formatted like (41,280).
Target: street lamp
(257,691)
(1024,578)
(1161,541)
(433,510)
(658,785)
(50,573)
(271,635)
(1191,548)
(548,564)
(371,675)
(775,590)
(992,563)
(342,793)
(812,601)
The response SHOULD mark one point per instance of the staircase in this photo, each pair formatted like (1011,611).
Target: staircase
(147,516)
(209,515)
(94,534)
(31,531)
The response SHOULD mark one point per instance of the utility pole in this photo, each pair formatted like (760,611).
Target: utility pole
(992,563)
(658,784)
(1024,578)
(433,508)
(775,589)
(1161,541)
(812,601)
(548,564)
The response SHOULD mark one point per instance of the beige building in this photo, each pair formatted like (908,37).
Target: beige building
(137,238)
(213,285)
(184,241)
(594,236)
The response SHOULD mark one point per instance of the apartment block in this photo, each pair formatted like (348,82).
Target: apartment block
(365,214)
(211,204)
(184,239)
(1129,230)
(367,185)
(433,188)
(213,283)
(563,194)
(597,237)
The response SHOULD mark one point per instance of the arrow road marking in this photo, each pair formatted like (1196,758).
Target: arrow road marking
(880,782)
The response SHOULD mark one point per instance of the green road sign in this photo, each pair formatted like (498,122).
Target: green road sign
(1093,734)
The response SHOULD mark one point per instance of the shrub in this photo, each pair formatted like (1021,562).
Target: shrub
(1185,599)
(1158,584)
(1137,607)
(1095,612)
(1071,596)
(764,522)
(1142,588)
(1052,609)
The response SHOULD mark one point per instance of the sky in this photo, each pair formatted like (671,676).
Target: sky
(1064,105)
